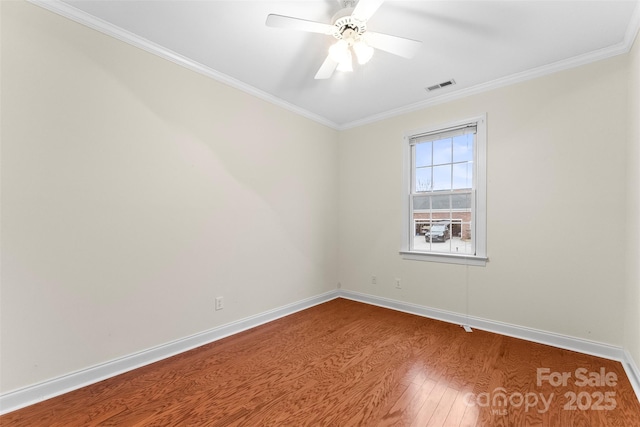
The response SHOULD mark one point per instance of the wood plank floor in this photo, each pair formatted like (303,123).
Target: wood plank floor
(345,363)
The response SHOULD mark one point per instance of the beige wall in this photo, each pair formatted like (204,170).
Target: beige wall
(632,296)
(556,147)
(135,191)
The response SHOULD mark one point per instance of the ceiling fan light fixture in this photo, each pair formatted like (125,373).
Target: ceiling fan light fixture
(347,62)
(363,51)
(339,51)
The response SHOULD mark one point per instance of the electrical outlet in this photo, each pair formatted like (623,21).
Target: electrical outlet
(398,283)
(374,280)
(219,303)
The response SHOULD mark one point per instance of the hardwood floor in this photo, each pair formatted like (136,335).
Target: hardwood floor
(345,363)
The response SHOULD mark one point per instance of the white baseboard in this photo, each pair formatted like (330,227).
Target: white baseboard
(633,372)
(549,338)
(529,334)
(21,398)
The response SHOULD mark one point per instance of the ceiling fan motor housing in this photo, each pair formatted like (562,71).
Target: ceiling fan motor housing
(347,27)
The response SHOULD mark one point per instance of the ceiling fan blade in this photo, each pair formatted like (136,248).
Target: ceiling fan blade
(400,46)
(365,9)
(326,69)
(291,23)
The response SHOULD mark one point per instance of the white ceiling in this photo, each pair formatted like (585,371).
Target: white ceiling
(480,44)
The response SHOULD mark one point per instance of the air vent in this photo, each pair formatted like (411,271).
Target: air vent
(441,85)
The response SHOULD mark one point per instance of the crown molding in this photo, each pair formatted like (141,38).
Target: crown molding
(83,18)
(618,49)
(633,28)
(494,84)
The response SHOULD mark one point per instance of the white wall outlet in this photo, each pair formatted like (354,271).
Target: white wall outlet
(374,280)
(219,303)
(398,283)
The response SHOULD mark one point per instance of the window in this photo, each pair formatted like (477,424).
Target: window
(445,193)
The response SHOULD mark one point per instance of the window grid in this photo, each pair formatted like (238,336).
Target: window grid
(465,206)
(463,229)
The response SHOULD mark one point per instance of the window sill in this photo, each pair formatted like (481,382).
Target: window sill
(445,258)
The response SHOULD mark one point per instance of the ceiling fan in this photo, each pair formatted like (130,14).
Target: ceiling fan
(349,27)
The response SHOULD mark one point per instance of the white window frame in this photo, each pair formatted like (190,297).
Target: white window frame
(479,197)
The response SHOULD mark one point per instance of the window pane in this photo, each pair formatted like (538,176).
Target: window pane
(442,151)
(423,154)
(423,180)
(441,202)
(463,148)
(462,175)
(421,202)
(461,242)
(442,177)
(461,201)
